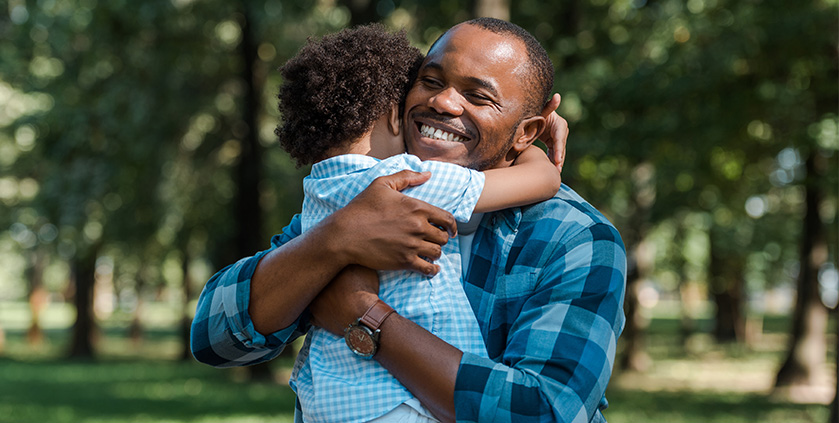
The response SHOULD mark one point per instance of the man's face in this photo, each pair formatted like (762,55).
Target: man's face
(468,99)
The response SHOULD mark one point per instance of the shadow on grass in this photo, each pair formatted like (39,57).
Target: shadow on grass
(129,391)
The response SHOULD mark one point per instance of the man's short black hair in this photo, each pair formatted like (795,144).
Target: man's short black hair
(540,70)
(335,88)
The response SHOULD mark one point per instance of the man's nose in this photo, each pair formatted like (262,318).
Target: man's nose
(448,102)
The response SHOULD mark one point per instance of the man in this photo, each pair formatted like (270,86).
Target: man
(545,282)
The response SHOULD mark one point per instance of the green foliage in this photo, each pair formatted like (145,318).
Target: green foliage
(122,123)
(701,107)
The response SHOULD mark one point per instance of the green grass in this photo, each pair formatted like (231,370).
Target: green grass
(147,383)
(134,391)
(705,406)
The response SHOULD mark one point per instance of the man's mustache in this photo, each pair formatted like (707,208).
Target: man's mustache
(445,120)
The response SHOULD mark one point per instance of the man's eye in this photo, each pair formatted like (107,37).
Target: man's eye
(478,98)
(431,82)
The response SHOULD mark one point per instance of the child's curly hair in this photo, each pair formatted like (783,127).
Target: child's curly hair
(335,88)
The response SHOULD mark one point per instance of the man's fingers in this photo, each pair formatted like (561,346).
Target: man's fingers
(437,236)
(422,266)
(404,179)
(430,250)
(443,219)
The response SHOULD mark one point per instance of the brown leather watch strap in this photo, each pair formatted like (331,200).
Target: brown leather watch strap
(376,315)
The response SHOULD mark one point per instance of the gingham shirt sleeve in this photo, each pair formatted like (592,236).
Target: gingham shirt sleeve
(453,188)
(561,347)
(222,332)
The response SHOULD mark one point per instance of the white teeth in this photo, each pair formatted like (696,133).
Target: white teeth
(439,134)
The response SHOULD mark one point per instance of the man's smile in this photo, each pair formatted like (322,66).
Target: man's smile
(439,130)
(438,134)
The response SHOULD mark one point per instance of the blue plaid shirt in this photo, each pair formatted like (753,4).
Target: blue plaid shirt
(330,381)
(546,283)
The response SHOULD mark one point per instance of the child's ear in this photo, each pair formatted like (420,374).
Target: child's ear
(394,123)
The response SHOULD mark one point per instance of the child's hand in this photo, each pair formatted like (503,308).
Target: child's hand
(556,132)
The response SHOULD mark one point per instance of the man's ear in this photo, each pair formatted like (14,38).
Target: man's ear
(394,121)
(528,131)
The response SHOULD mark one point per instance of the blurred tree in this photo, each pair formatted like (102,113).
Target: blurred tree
(247,216)
(834,405)
(807,35)
(804,365)
(140,130)
(362,11)
(491,8)
(122,81)
(37,294)
(689,104)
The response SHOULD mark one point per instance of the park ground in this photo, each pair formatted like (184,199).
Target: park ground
(146,382)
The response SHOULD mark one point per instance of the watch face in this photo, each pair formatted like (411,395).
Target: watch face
(361,341)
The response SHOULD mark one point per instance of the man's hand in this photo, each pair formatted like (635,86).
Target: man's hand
(556,132)
(384,229)
(345,299)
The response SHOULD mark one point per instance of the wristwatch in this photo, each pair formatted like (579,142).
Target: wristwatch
(362,336)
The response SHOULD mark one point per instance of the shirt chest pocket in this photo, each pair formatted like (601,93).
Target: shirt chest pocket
(511,293)
(517,284)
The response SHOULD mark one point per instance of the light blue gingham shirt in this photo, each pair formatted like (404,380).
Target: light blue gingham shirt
(546,283)
(331,381)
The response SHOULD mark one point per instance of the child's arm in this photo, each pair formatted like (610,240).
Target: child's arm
(531,178)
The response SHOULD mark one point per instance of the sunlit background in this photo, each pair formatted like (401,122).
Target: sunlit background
(137,158)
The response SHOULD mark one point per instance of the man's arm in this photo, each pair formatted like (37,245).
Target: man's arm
(560,349)
(249,311)
(380,229)
(222,333)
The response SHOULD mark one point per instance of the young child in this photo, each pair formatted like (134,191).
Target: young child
(340,104)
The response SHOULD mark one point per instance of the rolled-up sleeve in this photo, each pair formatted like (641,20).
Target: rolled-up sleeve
(222,333)
(561,348)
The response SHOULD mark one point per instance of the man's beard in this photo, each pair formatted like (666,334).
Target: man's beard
(492,161)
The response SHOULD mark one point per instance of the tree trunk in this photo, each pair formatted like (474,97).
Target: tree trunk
(38,296)
(83,273)
(135,328)
(728,292)
(804,366)
(186,321)
(569,26)
(248,212)
(689,301)
(634,356)
(834,405)
(688,297)
(499,9)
